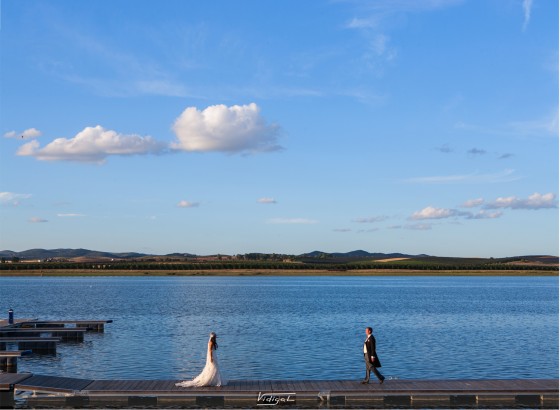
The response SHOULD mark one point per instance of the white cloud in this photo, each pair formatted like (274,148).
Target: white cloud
(504,176)
(92,144)
(342,230)
(527,5)
(70,215)
(436,213)
(25,134)
(187,204)
(291,221)
(11,198)
(266,200)
(37,220)
(239,128)
(443,213)
(473,203)
(534,201)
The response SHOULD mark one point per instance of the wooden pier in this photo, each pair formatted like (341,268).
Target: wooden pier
(41,337)
(67,392)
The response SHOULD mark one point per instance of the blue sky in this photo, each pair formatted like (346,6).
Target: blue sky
(416,126)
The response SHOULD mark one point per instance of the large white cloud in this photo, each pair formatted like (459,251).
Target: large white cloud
(92,144)
(534,201)
(239,128)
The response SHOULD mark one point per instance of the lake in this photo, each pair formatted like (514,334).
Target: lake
(297,327)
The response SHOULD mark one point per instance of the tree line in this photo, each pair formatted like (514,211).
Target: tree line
(265,265)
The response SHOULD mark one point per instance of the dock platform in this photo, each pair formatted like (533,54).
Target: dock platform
(72,392)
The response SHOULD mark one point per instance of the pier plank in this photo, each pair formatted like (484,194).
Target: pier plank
(7,380)
(53,383)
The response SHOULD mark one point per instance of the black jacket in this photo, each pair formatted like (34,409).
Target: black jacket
(370,347)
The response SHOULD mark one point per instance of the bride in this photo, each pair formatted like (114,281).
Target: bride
(210,375)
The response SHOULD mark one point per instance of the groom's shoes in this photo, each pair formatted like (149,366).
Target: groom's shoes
(365,381)
(381,380)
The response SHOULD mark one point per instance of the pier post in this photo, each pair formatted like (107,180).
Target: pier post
(7,399)
(8,364)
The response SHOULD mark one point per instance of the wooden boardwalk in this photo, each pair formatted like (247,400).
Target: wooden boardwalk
(69,392)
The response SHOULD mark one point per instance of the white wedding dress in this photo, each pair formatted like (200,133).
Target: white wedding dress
(210,375)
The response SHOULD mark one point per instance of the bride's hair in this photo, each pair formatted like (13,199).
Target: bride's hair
(213,340)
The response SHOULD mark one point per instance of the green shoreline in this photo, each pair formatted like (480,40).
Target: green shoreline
(273,272)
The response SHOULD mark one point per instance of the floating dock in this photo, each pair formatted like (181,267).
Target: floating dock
(40,337)
(52,391)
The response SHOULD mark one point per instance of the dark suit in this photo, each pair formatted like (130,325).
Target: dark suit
(371,365)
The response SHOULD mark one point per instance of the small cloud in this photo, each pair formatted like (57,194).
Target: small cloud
(357,23)
(505,156)
(266,200)
(482,214)
(476,151)
(291,221)
(36,220)
(92,144)
(239,128)
(368,230)
(472,203)
(436,213)
(11,198)
(527,5)
(419,227)
(25,134)
(342,230)
(395,227)
(371,219)
(445,149)
(534,201)
(504,176)
(187,204)
(70,215)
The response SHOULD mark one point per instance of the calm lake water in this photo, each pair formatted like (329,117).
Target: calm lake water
(297,327)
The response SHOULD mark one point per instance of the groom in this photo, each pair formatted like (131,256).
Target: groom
(370,356)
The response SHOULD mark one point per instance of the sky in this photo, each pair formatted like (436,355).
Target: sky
(413,126)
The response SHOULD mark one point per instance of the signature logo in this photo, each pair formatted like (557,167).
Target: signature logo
(275,399)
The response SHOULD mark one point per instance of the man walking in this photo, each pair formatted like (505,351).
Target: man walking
(370,356)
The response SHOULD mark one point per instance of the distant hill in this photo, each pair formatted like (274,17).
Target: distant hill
(357,256)
(68,254)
